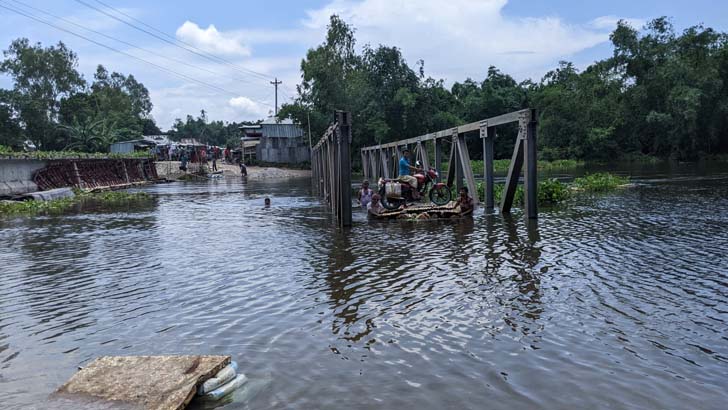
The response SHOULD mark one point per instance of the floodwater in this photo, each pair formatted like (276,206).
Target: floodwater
(610,301)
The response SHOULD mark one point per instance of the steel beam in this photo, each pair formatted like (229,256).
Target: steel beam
(530,174)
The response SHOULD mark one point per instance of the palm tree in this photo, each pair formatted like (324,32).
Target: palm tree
(91,136)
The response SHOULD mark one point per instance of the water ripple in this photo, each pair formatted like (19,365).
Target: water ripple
(618,300)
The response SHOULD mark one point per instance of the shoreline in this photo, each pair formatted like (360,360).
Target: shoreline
(170,170)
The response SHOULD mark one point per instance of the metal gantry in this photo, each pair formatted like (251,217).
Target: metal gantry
(381,160)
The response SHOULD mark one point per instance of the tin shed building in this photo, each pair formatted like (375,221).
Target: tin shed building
(281,142)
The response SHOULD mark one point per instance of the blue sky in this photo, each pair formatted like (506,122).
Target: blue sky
(261,40)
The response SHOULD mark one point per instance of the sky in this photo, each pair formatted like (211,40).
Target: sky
(221,55)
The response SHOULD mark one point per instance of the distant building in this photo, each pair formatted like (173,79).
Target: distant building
(190,141)
(143,143)
(127,147)
(279,142)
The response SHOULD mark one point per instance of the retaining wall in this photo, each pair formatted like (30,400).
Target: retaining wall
(22,176)
(16,175)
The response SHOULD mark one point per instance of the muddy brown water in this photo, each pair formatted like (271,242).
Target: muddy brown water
(610,301)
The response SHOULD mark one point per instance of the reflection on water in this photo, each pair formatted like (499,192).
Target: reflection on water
(616,300)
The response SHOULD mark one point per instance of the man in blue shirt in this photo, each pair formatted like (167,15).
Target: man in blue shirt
(404,172)
(404,164)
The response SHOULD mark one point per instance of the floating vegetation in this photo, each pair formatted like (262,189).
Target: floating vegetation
(550,191)
(57,206)
(599,182)
(34,207)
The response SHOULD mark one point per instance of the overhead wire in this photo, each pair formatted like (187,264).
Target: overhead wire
(161,68)
(173,41)
(175,60)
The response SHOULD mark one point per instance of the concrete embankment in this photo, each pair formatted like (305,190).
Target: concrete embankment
(16,175)
(25,175)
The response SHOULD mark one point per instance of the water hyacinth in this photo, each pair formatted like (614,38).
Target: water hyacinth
(599,182)
(57,206)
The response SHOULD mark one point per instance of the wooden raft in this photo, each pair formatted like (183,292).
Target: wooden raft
(147,382)
(449,210)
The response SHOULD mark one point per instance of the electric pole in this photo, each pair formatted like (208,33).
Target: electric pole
(275,83)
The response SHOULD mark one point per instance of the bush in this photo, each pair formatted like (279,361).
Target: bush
(552,191)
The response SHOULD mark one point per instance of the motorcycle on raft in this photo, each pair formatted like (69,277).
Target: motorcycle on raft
(396,193)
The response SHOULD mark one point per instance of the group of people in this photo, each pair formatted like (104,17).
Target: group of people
(195,154)
(372,201)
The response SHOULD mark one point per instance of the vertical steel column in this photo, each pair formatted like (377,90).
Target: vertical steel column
(531,176)
(438,158)
(385,164)
(343,142)
(466,167)
(488,136)
(514,174)
(458,162)
(364,166)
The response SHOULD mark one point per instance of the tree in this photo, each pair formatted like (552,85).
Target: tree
(41,77)
(11,133)
(90,136)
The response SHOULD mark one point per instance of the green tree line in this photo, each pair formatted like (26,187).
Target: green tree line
(660,94)
(55,108)
(52,105)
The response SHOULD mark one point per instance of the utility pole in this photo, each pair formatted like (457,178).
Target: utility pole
(275,83)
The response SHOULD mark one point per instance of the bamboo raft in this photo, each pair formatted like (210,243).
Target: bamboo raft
(429,211)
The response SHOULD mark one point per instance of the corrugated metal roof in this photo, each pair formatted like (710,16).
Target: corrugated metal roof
(281,130)
(157,139)
(272,120)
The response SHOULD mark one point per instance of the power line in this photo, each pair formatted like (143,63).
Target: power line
(40,20)
(189,48)
(263,75)
(177,61)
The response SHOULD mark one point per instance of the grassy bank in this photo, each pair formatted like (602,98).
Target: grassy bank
(57,206)
(501,165)
(44,155)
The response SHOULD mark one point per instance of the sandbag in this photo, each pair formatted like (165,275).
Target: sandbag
(227,388)
(223,376)
(393,190)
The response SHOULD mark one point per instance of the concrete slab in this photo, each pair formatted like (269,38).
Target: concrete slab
(146,382)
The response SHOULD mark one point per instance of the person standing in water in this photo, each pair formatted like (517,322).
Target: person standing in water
(365,194)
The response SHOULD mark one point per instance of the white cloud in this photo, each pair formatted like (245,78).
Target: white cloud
(212,40)
(610,22)
(247,107)
(457,39)
(461,38)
